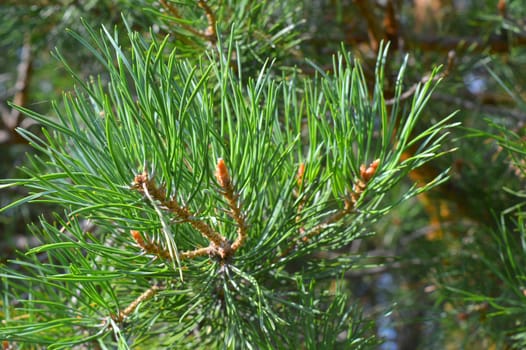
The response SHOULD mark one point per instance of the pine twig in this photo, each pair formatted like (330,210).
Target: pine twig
(172,247)
(151,247)
(144,185)
(348,206)
(148,294)
(11,118)
(209,34)
(224,180)
(219,247)
(366,173)
(197,252)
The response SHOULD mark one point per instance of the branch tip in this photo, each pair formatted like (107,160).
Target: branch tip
(144,185)
(222,175)
(225,181)
(209,34)
(137,237)
(149,246)
(366,173)
(219,246)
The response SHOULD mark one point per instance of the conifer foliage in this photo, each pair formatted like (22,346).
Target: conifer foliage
(199,205)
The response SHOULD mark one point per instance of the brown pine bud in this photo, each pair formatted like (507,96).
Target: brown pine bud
(137,237)
(139,180)
(222,175)
(368,173)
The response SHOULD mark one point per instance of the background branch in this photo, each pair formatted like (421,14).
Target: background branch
(11,118)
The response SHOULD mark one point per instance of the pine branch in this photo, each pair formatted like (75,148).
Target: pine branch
(209,34)
(219,245)
(349,201)
(145,296)
(349,205)
(162,110)
(224,180)
(11,118)
(144,185)
(153,248)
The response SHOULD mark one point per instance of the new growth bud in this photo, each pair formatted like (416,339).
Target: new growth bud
(222,175)
(367,173)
